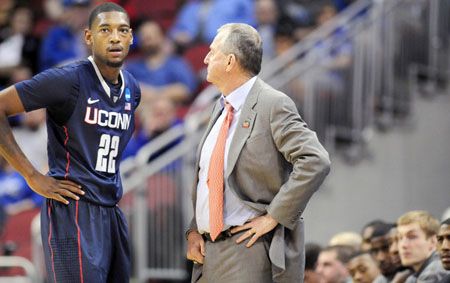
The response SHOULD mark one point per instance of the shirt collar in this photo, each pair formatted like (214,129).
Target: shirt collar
(237,97)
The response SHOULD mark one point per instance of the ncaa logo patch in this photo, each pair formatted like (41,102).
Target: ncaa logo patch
(127,94)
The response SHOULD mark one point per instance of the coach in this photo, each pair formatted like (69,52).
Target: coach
(258,167)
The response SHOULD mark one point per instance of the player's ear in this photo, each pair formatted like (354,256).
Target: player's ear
(88,37)
(132,37)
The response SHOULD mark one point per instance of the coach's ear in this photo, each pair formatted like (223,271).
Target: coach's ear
(88,37)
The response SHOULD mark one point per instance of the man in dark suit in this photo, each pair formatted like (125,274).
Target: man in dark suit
(258,166)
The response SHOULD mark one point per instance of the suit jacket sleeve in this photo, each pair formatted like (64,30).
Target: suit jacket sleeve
(310,162)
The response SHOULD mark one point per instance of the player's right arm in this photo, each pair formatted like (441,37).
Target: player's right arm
(10,104)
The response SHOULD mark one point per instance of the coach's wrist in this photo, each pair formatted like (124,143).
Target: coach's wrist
(189,231)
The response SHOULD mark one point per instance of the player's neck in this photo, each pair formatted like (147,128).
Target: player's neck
(111,74)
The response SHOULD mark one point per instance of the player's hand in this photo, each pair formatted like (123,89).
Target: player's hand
(256,228)
(54,189)
(196,247)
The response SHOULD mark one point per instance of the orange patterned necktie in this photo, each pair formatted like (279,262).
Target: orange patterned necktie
(215,177)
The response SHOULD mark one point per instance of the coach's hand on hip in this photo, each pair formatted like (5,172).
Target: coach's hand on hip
(196,247)
(256,228)
(54,189)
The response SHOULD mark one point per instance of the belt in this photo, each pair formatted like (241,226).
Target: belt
(222,236)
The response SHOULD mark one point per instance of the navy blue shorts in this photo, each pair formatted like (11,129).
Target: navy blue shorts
(84,242)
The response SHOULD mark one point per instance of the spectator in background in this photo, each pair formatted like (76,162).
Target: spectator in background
(366,234)
(403,272)
(380,251)
(443,239)
(198,20)
(312,252)
(364,269)
(417,242)
(64,43)
(18,47)
(350,239)
(156,117)
(33,128)
(160,73)
(331,264)
(15,195)
(266,13)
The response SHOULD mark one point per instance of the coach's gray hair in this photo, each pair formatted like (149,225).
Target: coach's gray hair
(245,43)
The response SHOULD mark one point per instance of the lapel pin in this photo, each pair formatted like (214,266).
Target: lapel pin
(246,124)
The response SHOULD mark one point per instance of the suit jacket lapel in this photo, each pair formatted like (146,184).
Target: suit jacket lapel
(244,127)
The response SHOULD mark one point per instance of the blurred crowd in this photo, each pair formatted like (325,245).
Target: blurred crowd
(171,39)
(416,248)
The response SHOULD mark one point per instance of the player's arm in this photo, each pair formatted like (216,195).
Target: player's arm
(10,104)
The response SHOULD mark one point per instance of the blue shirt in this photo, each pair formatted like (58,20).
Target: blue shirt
(198,23)
(14,189)
(60,45)
(173,70)
(88,127)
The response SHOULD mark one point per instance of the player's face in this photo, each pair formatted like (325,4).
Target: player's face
(110,38)
(444,245)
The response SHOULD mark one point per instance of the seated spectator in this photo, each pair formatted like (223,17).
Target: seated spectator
(366,234)
(311,254)
(350,239)
(417,242)
(266,14)
(380,251)
(364,269)
(403,272)
(156,118)
(64,43)
(331,264)
(18,47)
(15,195)
(160,73)
(33,128)
(198,20)
(443,239)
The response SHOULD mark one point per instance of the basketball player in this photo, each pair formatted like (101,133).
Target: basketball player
(90,108)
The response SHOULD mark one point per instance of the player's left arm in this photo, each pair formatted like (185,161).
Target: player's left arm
(10,104)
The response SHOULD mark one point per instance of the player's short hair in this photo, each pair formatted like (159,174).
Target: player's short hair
(105,7)
(426,221)
(446,221)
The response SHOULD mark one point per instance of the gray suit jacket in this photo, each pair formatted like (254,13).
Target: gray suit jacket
(275,164)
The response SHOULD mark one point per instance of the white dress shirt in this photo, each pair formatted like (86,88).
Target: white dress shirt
(235,212)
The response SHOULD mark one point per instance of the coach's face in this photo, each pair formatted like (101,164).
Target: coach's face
(110,38)
(217,61)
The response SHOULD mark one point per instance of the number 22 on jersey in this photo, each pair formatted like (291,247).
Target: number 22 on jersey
(107,153)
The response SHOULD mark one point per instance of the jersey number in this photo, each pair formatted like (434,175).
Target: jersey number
(107,153)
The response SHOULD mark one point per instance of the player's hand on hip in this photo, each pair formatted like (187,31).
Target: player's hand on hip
(52,188)
(256,228)
(196,247)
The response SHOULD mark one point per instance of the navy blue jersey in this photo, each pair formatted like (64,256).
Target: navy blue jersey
(89,124)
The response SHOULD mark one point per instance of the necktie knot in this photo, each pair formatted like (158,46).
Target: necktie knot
(229,115)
